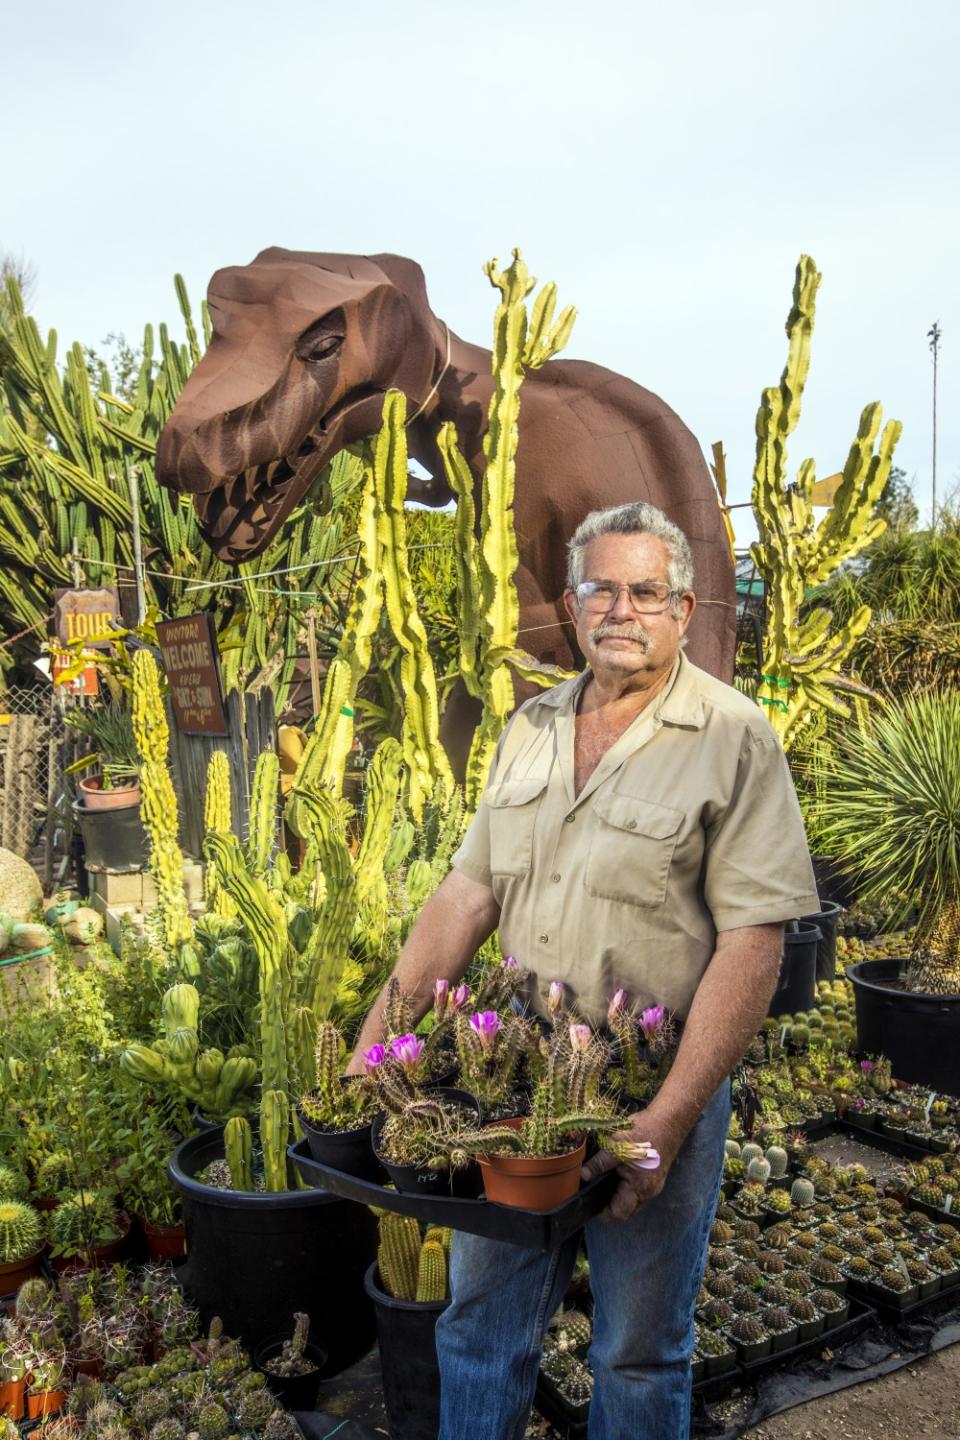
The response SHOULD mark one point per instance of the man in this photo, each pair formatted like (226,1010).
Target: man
(639,830)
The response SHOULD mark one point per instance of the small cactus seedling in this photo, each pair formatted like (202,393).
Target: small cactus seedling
(802,1193)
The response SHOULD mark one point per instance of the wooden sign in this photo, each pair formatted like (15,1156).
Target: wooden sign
(85,614)
(192,663)
(87,682)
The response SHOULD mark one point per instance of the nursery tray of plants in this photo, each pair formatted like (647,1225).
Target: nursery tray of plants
(570,1420)
(531,1229)
(859,1318)
(882,1140)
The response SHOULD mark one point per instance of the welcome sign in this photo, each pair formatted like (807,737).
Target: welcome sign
(192,664)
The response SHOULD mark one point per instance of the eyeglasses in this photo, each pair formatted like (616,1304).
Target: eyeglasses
(648,597)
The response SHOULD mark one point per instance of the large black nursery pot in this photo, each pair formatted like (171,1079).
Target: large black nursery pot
(919,1034)
(826,920)
(798,970)
(408,1361)
(113,839)
(255,1259)
(835,880)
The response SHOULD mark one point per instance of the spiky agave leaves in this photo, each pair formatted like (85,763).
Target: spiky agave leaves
(892,811)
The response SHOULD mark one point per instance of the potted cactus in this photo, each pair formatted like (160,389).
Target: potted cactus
(534,1163)
(86,1231)
(21,1244)
(337,1113)
(423,1139)
(293,1365)
(409,1289)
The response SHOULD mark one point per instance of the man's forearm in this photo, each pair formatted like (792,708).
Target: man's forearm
(728,1009)
(450,929)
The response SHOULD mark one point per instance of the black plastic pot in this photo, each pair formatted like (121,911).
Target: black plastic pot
(256,1259)
(798,971)
(411,1180)
(826,921)
(408,1361)
(919,1034)
(113,839)
(347,1150)
(834,880)
(295,1392)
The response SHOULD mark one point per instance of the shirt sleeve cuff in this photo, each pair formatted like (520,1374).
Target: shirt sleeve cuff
(737,917)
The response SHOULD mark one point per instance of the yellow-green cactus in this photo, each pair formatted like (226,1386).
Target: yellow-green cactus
(274,1135)
(432,1272)
(238,1151)
(263,811)
(218,1084)
(160,812)
(382,792)
(217,816)
(489,610)
(803,661)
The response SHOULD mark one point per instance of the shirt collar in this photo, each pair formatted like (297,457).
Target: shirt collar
(680,703)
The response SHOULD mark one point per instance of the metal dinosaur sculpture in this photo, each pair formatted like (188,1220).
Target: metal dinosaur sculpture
(303,348)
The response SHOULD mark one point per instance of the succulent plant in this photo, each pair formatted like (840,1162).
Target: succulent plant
(13,1185)
(795,1255)
(778,1160)
(807,1241)
(723,1258)
(280,1427)
(771,1262)
(572,1330)
(758,1171)
(828,1302)
(717,1314)
(802,1308)
(824,1271)
(893,1279)
(748,1274)
(746,1249)
(721,1233)
(798,1282)
(745,1302)
(778,1237)
(577,1384)
(777,1319)
(779,1201)
(19,1230)
(747,1330)
(720,1284)
(858,1267)
(167,1429)
(750,1151)
(747,1229)
(802,1193)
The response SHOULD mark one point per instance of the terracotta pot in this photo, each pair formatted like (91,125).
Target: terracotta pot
(93,1367)
(96,798)
(44,1203)
(99,1257)
(532,1182)
(164,1242)
(14,1272)
(45,1402)
(11,1399)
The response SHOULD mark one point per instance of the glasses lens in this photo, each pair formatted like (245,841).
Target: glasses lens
(646,596)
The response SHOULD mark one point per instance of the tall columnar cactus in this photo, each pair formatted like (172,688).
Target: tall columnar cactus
(263,811)
(159,799)
(803,659)
(238,1149)
(382,792)
(274,1137)
(398,1255)
(217,816)
(489,611)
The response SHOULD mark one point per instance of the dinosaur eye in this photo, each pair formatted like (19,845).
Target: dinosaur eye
(320,349)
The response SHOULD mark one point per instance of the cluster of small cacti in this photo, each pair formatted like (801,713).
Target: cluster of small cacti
(413,1265)
(218,1084)
(563,1361)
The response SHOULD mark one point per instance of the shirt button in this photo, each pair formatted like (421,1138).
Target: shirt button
(569,819)
(631,824)
(555,877)
(543,939)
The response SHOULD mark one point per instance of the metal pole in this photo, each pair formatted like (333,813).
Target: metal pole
(133,477)
(933,335)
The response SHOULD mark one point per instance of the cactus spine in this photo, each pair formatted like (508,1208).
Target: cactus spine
(803,659)
(489,611)
(238,1147)
(159,799)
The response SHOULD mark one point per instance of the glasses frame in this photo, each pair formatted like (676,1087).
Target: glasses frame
(584,601)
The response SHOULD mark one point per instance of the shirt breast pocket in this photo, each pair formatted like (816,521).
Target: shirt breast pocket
(513,806)
(631,849)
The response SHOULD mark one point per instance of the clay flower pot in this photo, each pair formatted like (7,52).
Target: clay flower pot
(14,1272)
(532,1182)
(164,1242)
(45,1402)
(11,1399)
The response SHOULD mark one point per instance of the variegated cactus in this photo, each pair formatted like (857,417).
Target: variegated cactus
(217,816)
(804,658)
(160,813)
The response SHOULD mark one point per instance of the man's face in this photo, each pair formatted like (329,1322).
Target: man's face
(617,639)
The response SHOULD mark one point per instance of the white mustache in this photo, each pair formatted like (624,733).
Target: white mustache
(630,631)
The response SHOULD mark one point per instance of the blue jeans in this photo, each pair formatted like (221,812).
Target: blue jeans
(645,1275)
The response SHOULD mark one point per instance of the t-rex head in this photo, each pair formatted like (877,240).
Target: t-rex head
(303,348)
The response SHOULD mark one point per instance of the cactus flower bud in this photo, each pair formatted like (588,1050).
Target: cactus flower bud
(485,1023)
(617,1006)
(651,1020)
(459,997)
(510,963)
(555,996)
(441,995)
(580,1037)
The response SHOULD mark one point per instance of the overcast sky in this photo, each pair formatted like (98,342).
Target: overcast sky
(665,164)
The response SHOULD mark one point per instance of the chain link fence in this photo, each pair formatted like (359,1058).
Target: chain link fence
(34,819)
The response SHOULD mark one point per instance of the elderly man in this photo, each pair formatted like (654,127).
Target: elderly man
(639,830)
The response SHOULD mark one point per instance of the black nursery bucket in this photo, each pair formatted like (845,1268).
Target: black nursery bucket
(919,1034)
(798,971)
(826,920)
(408,1361)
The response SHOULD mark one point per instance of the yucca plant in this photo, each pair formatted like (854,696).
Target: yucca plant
(892,812)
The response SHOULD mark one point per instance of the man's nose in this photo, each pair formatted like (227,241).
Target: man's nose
(622,607)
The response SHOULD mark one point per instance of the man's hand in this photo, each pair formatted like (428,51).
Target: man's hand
(637,1186)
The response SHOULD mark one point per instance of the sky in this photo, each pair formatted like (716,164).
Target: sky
(664,164)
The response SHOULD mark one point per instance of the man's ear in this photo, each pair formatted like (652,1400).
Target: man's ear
(691,605)
(570,604)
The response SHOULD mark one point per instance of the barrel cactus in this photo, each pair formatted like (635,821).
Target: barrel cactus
(19,1231)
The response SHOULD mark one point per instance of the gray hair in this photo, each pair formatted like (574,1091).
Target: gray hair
(637,518)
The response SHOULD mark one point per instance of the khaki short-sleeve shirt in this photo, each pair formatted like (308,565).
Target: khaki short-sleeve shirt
(688,826)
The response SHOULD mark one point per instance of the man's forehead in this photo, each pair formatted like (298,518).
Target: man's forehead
(642,553)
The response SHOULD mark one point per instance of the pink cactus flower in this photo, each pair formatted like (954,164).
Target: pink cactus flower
(866,1066)
(580,1037)
(617,1006)
(373,1057)
(556,996)
(441,993)
(643,1156)
(407,1049)
(510,963)
(459,997)
(651,1020)
(485,1024)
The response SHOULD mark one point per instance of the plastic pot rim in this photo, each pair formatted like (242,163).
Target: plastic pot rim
(193,1189)
(855,975)
(392,1302)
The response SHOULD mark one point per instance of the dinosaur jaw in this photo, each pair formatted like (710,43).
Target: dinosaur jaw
(240,517)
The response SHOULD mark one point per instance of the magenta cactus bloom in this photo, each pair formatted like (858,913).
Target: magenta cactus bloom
(866,1066)
(556,996)
(459,997)
(373,1057)
(485,1024)
(617,1006)
(441,993)
(651,1020)
(510,963)
(580,1037)
(407,1049)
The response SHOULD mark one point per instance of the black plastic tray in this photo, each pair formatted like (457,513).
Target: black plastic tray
(532,1230)
(878,1140)
(861,1315)
(896,1314)
(571,1421)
